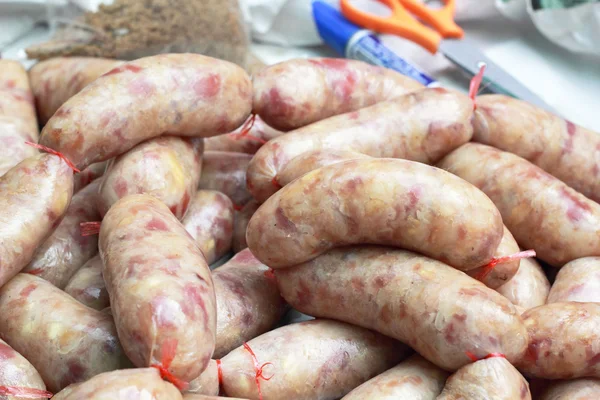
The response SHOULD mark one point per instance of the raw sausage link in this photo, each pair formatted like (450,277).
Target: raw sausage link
(329,87)
(314,159)
(17,116)
(16,371)
(87,285)
(161,291)
(240,223)
(379,201)
(493,378)
(578,280)
(209,220)
(65,341)
(414,379)
(542,212)
(167,168)
(34,196)
(568,151)
(317,360)
(564,341)
(56,80)
(207,383)
(179,94)
(576,389)
(438,311)
(248,301)
(503,272)
(250,143)
(134,384)
(88,175)
(66,250)
(423,126)
(226,172)
(529,287)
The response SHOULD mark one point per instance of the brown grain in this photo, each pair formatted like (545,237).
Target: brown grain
(130,29)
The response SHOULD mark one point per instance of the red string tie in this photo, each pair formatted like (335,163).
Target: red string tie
(270,274)
(245,131)
(475,83)
(36,271)
(24,393)
(275,183)
(168,354)
(259,370)
(56,153)
(219,372)
(90,228)
(500,260)
(474,358)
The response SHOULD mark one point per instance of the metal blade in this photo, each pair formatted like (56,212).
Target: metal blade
(466,55)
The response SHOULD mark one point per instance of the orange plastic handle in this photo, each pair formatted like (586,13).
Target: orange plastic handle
(441,19)
(402,23)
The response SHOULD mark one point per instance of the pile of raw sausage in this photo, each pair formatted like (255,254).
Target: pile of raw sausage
(405,220)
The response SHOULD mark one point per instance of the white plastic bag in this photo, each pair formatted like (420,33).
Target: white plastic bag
(281,22)
(572,24)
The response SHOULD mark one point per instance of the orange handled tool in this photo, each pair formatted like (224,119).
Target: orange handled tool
(402,23)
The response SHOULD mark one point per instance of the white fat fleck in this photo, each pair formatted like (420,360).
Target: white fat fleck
(28,328)
(440,320)
(169,311)
(54,330)
(133,392)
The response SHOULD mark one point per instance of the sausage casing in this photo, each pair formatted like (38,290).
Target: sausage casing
(578,280)
(248,301)
(88,175)
(64,340)
(160,288)
(34,196)
(207,383)
(226,172)
(87,285)
(440,312)
(240,223)
(314,159)
(415,379)
(541,212)
(492,378)
(249,143)
(209,220)
(56,80)
(16,371)
(17,116)
(529,287)
(575,389)
(318,360)
(329,87)
(568,151)
(502,272)
(66,250)
(130,384)
(179,94)
(422,126)
(564,341)
(378,201)
(167,168)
